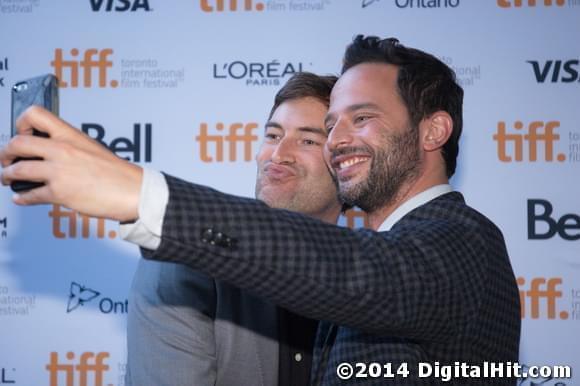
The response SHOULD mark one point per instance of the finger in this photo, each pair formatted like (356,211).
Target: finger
(24,170)
(37,117)
(34,196)
(26,146)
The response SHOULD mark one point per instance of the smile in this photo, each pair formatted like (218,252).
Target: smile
(351,161)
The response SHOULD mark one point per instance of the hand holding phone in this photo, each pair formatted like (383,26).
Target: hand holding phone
(42,91)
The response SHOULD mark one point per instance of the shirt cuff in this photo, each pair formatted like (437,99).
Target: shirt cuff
(154,196)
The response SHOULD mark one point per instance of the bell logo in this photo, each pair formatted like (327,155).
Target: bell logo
(126,148)
(220,6)
(539,289)
(537,132)
(540,211)
(89,366)
(247,139)
(530,3)
(86,66)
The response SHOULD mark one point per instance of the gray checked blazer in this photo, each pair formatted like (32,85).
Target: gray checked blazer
(438,287)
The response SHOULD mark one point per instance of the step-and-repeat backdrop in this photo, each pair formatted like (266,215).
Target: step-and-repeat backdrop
(185,87)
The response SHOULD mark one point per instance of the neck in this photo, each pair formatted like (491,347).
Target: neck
(428,178)
(329,215)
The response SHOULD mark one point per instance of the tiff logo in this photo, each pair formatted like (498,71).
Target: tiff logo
(86,66)
(120,5)
(59,213)
(541,289)
(247,138)
(232,5)
(537,132)
(90,366)
(530,3)
(354,214)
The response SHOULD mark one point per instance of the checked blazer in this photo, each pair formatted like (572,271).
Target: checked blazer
(437,287)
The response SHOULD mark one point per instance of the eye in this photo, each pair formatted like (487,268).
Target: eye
(272,136)
(361,118)
(309,142)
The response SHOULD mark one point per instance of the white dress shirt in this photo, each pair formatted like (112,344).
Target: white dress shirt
(146,231)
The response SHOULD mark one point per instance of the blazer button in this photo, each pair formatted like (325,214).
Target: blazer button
(298,357)
(207,235)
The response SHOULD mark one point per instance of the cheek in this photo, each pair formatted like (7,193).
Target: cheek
(326,153)
(264,153)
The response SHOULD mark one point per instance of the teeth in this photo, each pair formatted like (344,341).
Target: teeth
(350,162)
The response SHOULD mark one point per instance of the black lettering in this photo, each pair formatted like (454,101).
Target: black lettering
(108,303)
(4,222)
(533,218)
(125,5)
(541,75)
(215,74)
(148,130)
(569,222)
(256,68)
(99,130)
(125,145)
(4,379)
(141,4)
(572,72)
(96,4)
(556,72)
(242,74)
(1,82)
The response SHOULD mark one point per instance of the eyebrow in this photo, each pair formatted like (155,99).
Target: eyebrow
(352,109)
(305,129)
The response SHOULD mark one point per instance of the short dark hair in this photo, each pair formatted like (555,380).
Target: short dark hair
(302,85)
(426,84)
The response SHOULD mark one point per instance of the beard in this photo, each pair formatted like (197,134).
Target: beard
(392,165)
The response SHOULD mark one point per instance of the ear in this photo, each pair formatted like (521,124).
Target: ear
(435,130)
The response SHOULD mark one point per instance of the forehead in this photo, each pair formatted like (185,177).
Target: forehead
(300,112)
(366,83)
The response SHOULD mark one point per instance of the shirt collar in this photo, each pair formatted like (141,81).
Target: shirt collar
(412,203)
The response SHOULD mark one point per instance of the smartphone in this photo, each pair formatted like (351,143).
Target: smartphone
(42,91)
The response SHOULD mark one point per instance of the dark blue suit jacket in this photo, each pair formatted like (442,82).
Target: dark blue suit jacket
(438,287)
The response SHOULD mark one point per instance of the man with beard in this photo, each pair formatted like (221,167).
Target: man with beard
(185,328)
(431,284)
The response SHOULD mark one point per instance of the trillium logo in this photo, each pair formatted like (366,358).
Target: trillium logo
(79,295)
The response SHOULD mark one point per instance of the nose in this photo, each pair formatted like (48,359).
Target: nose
(284,152)
(340,135)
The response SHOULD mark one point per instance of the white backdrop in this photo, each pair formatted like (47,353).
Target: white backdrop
(164,83)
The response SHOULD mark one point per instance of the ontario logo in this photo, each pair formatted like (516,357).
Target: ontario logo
(79,295)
